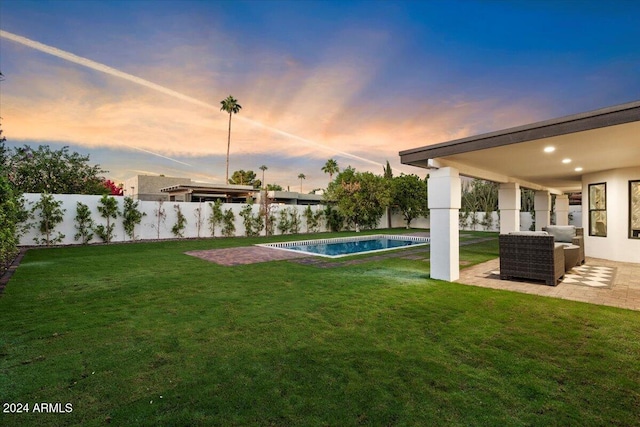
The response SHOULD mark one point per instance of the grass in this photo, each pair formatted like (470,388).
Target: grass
(145,335)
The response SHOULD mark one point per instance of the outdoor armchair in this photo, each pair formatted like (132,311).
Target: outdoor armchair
(531,255)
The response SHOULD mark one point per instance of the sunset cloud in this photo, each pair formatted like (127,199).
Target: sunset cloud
(353,88)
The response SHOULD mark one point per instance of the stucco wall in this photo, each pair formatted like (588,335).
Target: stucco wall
(149,228)
(617,245)
(147,187)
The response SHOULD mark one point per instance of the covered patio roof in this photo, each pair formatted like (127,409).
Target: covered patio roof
(600,140)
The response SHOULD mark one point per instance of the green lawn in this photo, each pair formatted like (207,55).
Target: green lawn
(141,334)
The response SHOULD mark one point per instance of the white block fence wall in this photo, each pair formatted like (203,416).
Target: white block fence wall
(148,230)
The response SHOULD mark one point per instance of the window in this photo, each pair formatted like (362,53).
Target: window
(634,209)
(598,209)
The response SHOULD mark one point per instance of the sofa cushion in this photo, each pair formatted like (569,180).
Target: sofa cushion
(529,233)
(562,233)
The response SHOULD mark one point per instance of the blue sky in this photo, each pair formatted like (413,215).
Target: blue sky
(354,81)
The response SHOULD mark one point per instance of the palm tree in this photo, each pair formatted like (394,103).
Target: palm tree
(231,106)
(263,168)
(301,177)
(331,167)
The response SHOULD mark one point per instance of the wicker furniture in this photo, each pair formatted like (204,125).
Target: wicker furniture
(571,255)
(568,235)
(531,255)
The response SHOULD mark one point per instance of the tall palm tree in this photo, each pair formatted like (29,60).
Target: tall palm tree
(331,167)
(263,168)
(301,177)
(231,106)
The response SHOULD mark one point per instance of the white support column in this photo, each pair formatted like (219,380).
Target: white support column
(509,205)
(542,206)
(562,210)
(444,204)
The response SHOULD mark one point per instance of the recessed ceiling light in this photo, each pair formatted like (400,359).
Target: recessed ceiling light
(578,169)
(565,161)
(549,149)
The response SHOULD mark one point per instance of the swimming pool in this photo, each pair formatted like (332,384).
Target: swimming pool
(344,246)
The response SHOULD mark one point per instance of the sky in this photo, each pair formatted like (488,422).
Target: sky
(137,84)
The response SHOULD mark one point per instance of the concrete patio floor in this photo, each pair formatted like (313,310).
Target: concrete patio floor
(624,292)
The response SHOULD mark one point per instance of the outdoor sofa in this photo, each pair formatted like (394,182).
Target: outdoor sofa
(531,255)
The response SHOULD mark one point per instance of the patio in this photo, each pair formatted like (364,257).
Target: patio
(553,157)
(623,291)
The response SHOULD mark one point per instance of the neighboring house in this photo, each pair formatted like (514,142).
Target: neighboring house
(153,188)
(596,153)
(199,192)
(148,187)
(293,198)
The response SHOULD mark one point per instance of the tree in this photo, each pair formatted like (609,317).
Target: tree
(12,211)
(313,219)
(479,196)
(274,187)
(229,227)
(243,177)
(84,223)
(335,220)
(331,167)
(161,216)
(301,176)
(181,222)
(108,209)
(231,106)
(253,224)
(361,197)
(266,211)
(197,213)
(263,168)
(387,171)
(53,171)
(131,217)
(216,217)
(51,214)
(409,194)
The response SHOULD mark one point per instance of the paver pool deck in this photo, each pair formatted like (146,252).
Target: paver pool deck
(245,255)
(623,292)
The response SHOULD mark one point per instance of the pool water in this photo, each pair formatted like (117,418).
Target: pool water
(334,248)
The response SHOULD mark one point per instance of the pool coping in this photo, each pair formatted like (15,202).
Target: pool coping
(284,246)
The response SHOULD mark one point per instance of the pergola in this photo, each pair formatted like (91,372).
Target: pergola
(556,156)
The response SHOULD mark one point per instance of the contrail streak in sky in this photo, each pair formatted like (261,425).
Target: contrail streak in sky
(160,155)
(146,83)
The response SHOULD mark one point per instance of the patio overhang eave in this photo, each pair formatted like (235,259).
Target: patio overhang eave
(584,143)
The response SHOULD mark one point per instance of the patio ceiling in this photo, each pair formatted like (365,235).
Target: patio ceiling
(600,140)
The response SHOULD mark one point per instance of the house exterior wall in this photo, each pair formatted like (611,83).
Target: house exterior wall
(147,187)
(617,245)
